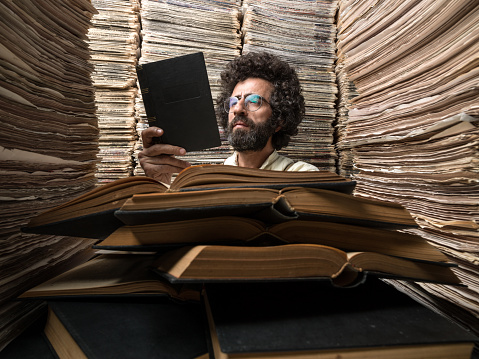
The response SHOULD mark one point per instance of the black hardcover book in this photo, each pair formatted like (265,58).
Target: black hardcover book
(177,98)
(31,343)
(142,328)
(294,320)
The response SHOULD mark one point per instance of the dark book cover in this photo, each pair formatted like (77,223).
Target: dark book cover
(31,343)
(269,213)
(305,316)
(177,98)
(95,226)
(142,328)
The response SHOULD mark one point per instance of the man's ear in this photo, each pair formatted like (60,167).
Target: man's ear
(278,128)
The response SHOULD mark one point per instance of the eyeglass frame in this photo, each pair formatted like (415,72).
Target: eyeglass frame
(245,105)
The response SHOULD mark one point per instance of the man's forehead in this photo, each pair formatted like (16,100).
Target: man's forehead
(253,85)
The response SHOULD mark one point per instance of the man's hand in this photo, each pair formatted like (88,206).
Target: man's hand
(158,160)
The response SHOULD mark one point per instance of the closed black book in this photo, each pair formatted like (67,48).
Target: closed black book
(177,98)
(31,343)
(142,328)
(300,320)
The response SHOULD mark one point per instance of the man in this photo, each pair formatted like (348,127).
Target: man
(260,108)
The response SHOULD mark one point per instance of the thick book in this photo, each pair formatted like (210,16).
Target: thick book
(31,343)
(92,215)
(316,320)
(141,328)
(112,275)
(228,230)
(290,262)
(225,176)
(177,98)
(267,204)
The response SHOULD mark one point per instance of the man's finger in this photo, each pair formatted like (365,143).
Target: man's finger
(165,161)
(163,149)
(148,135)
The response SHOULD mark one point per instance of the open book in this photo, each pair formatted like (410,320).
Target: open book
(92,214)
(267,204)
(212,263)
(251,232)
(221,176)
(112,275)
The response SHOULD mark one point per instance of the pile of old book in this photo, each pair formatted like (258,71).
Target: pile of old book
(277,263)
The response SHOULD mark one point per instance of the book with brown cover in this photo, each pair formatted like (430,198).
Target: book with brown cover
(92,215)
(112,276)
(292,262)
(267,204)
(227,230)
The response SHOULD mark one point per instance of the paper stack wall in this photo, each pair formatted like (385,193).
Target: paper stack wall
(303,34)
(48,141)
(114,44)
(412,130)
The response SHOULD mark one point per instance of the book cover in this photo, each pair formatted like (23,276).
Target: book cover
(97,213)
(31,343)
(112,276)
(91,215)
(145,328)
(281,320)
(98,225)
(177,98)
(267,204)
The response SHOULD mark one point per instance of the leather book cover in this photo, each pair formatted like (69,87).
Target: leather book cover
(177,98)
(310,316)
(146,328)
(96,226)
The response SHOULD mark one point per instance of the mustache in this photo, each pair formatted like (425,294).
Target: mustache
(243,119)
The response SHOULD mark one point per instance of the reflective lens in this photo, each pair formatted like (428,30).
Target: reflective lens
(252,102)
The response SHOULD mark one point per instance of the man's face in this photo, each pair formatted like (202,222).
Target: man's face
(250,130)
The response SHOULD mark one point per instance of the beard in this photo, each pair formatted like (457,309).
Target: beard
(253,138)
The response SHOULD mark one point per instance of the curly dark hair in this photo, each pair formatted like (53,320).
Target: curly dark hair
(287,101)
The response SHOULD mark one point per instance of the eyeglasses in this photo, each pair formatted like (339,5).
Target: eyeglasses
(252,102)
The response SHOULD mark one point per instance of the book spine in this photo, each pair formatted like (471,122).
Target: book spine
(146,95)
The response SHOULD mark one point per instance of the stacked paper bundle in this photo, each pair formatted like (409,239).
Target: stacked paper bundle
(171,29)
(413,128)
(303,34)
(347,91)
(114,43)
(49,140)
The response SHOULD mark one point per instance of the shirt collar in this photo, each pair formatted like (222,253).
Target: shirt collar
(271,159)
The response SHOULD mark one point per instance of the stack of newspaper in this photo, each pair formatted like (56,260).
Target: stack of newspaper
(413,127)
(114,43)
(303,34)
(48,141)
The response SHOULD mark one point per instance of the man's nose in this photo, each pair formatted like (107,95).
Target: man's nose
(239,107)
